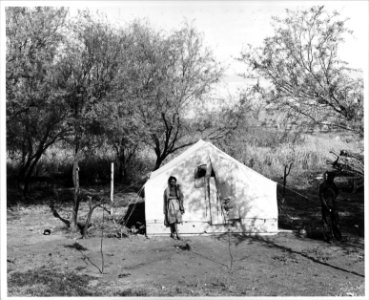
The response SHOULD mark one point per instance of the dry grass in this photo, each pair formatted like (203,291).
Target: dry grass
(309,155)
(265,151)
(45,282)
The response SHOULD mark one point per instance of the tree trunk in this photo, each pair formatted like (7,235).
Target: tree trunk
(22,180)
(76,196)
(122,169)
(26,172)
(160,155)
(285,175)
(124,152)
(88,220)
(158,162)
(284,182)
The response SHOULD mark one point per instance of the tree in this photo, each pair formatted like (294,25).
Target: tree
(87,70)
(35,112)
(301,61)
(219,124)
(168,74)
(122,131)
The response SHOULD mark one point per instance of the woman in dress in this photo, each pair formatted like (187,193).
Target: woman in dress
(173,207)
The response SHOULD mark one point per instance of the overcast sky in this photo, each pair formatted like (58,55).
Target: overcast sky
(227,26)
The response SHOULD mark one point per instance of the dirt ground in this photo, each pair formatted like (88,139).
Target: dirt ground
(62,264)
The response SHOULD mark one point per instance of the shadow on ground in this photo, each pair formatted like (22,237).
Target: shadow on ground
(270,242)
(302,210)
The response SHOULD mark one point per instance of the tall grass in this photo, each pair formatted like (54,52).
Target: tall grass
(267,152)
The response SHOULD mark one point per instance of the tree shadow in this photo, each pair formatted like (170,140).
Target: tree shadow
(270,243)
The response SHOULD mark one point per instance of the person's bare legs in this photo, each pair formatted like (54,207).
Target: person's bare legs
(172,230)
(176,231)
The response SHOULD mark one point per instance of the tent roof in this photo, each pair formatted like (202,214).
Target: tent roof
(179,158)
(222,153)
(200,144)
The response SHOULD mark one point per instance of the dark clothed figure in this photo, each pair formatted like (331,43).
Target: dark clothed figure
(173,206)
(328,193)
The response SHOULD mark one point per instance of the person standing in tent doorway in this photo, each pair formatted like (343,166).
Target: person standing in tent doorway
(173,207)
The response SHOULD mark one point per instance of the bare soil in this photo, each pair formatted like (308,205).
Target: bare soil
(62,264)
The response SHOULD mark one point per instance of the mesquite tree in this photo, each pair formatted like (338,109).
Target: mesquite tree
(123,130)
(34,108)
(168,73)
(89,65)
(301,61)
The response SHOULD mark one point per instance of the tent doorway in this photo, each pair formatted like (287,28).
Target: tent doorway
(215,209)
(205,180)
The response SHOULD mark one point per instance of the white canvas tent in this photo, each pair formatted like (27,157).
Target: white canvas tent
(208,177)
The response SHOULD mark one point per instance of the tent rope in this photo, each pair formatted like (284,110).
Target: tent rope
(297,193)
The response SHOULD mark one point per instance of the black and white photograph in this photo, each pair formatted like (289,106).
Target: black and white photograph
(184,148)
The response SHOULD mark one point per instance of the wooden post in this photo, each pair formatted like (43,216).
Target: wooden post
(112,188)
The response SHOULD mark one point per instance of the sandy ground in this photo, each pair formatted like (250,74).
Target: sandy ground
(281,265)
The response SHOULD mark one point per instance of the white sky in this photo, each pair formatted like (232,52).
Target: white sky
(227,26)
